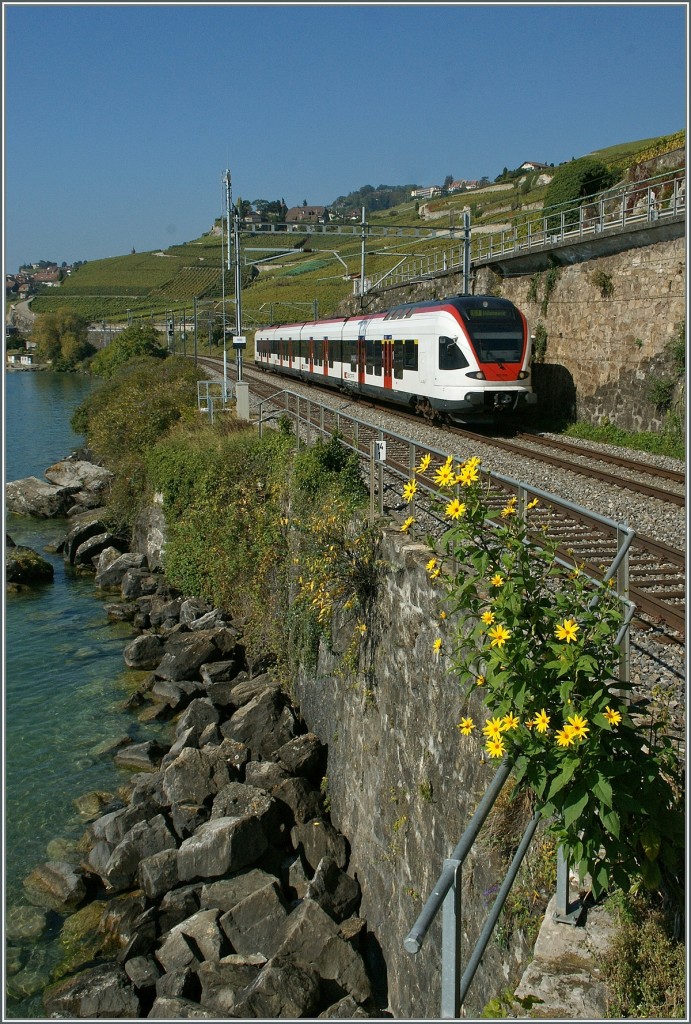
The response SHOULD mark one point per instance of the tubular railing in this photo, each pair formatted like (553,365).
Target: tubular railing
(311,419)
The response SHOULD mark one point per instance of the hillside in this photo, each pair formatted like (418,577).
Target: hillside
(299,275)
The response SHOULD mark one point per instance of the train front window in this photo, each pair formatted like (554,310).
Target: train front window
(450,355)
(496,331)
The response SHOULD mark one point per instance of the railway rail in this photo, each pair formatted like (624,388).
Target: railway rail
(656,570)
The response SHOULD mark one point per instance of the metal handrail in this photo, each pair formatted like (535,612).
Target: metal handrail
(614,210)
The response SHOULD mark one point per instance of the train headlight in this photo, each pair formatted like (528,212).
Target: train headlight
(523,375)
(476,375)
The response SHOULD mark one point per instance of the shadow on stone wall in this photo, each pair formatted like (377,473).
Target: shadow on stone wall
(556,391)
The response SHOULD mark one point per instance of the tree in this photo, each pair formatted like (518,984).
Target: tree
(448,182)
(62,339)
(574,181)
(135,341)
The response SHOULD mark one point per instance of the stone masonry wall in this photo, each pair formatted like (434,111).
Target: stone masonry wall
(602,351)
(404,783)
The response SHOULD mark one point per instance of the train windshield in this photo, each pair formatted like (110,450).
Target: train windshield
(495,329)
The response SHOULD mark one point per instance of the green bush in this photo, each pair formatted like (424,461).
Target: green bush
(135,341)
(574,181)
(645,965)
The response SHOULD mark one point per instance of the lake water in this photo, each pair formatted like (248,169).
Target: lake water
(64,680)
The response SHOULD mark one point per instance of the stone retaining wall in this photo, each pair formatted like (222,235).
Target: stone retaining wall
(404,783)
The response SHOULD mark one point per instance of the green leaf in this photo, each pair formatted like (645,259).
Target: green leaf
(610,819)
(600,878)
(574,806)
(650,841)
(651,874)
(603,791)
(562,780)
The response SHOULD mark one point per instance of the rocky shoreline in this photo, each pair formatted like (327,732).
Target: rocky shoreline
(213,884)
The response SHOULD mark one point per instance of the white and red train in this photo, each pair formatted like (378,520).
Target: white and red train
(465,357)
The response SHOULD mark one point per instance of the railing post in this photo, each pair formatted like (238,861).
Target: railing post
(451,945)
(566,912)
(623,594)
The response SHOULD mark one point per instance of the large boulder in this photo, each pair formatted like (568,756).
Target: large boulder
(56,885)
(23,566)
(103,991)
(80,475)
(264,724)
(221,846)
(34,497)
(283,988)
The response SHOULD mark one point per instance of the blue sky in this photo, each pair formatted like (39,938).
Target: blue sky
(120,119)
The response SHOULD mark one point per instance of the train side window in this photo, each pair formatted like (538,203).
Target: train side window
(377,358)
(369,355)
(329,347)
(450,355)
(410,361)
(398,358)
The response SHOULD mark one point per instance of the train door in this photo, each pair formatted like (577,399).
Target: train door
(290,353)
(361,359)
(310,351)
(387,356)
(325,353)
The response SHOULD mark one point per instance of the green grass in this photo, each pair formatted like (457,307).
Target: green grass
(657,444)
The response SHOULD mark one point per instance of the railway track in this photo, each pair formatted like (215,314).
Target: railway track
(656,570)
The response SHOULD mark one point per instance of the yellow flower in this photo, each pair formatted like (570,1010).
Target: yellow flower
(488,618)
(466,725)
(533,503)
(436,646)
(499,635)
(409,490)
(541,721)
(363,628)
(567,630)
(444,476)
(509,509)
(431,564)
(407,524)
(468,475)
(424,463)
(497,580)
(455,509)
(495,747)
(578,725)
(442,616)
(564,736)
(492,728)
(434,573)
(480,681)
(509,722)
(613,717)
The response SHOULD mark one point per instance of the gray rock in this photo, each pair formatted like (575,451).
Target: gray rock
(112,566)
(264,774)
(283,988)
(141,756)
(304,755)
(24,566)
(187,818)
(138,583)
(183,983)
(336,892)
(163,609)
(309,936)
(253,924)
(221,981)
(247,689)
(143,840)
(193,608)
(177,695)
(347,1009)
(177,905)
(143,972)
(189,779)
(91,549)
(264,724)
(79,474)
(158,873)
(143,652)
(149,534)
(56,885)
(103,991)
(34,497)
(185,662)
(318,838)
(237,799)
(89,526)
(221,846)
(299,799)
(177,1008)
(198,715)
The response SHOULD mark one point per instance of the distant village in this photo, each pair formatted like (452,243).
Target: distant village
(32,277)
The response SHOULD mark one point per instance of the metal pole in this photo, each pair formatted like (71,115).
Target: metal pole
(362,261)
(238,288)
(466,253)
(195,330)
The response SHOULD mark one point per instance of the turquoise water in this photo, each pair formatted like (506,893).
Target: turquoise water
(64,678)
